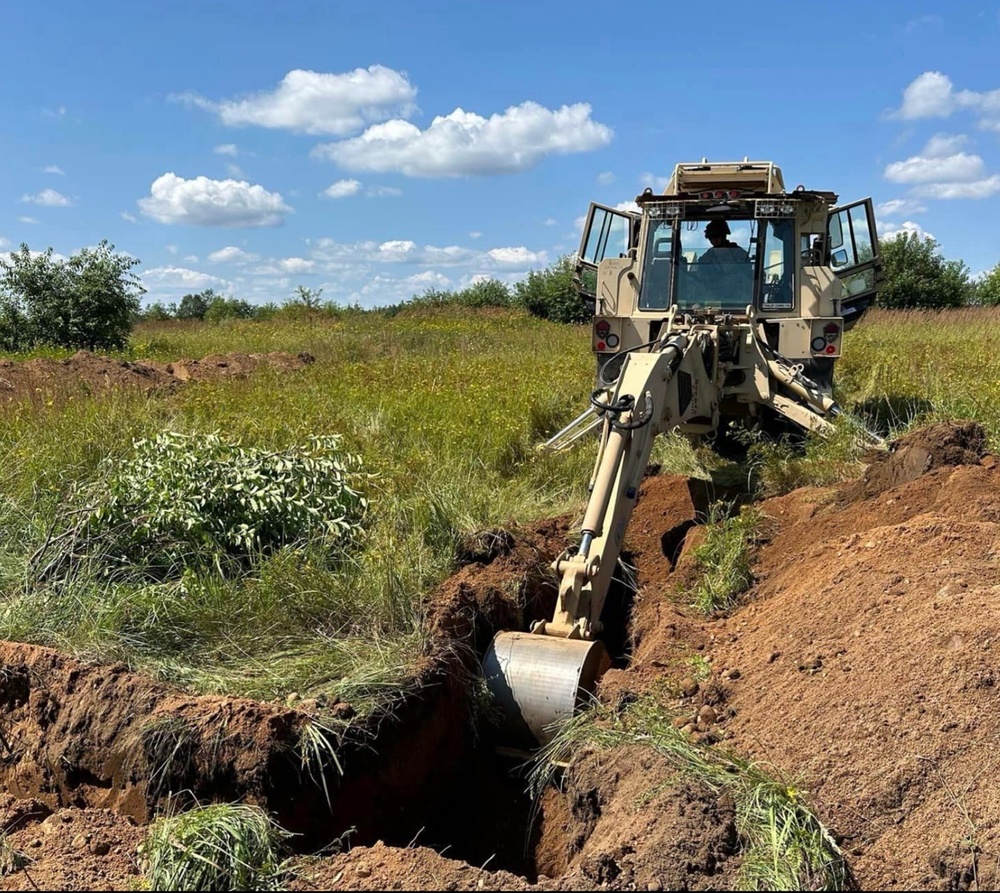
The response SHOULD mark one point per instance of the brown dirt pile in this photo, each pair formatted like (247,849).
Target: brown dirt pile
(868,663)
(70,849)
(85,373)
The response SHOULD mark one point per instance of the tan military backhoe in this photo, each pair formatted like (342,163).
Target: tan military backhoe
(721,302)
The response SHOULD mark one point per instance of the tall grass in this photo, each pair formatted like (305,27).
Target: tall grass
(444,408)
(905,367)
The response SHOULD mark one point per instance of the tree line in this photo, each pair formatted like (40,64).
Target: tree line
(92,299)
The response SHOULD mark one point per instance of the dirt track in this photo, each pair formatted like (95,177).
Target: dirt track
(863,667)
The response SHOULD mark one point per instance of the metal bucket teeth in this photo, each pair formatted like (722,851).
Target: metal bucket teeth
(538,680)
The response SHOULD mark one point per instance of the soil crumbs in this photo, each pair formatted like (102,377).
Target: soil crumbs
(863,668)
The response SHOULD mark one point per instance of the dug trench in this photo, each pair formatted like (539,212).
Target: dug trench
(862,669)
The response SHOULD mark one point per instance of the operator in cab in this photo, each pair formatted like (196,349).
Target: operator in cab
(722,251)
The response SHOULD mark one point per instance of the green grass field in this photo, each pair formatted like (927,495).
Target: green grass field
(444,408)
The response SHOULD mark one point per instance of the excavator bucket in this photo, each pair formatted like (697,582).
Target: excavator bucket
(537,681)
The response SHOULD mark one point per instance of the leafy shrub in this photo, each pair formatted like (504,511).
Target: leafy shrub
(87,301)
(182,499)
(485,293)
(551,294)
(916,274)
(195,306)
(987,289)
(218,847)
(222,308)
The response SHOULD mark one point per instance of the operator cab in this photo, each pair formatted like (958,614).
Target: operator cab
(726,240)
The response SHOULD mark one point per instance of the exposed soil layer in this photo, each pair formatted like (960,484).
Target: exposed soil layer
(86,373)
(863,665)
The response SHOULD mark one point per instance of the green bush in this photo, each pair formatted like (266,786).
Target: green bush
(551,293)
(87,301)
(916,275)
(485,293)
(987,289)
(221,308)
(195,306)
(184,499)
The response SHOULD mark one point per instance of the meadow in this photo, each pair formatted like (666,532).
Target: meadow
(443,408)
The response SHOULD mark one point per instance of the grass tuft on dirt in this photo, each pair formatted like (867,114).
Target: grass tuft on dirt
(11,858)
(724,557)
(217,847)
(784,844)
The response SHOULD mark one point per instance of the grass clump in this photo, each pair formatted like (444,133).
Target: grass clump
(724,557)
(784,844)
(217,847)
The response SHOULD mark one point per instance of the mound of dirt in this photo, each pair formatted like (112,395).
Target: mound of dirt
(85,373)
(936,446)
(868,669)
(70,849)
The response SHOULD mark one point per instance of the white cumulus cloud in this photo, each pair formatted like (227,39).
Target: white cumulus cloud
(48,198)
(342,189)
(55,169)
(128,218)
(899,206)
(205,202)
(985,188)
(933,95)
(516,257)
(227,149)
(231,254)
(319,103)
(296,265)
(908,227)
(606,178)
(465,144)
(29,220)
(960,167)
(182,277)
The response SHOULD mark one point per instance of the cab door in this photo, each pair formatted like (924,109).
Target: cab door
(854,256)
(607,232)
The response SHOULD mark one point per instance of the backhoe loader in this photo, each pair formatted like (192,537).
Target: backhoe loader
(721,302)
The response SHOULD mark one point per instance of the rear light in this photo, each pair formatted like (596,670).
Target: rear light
(602,327)
(818,344)
(831,349)
(831,330)
(613,341)
(601,345)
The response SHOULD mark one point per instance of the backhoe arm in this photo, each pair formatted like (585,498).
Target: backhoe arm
(640,407)
(539,678)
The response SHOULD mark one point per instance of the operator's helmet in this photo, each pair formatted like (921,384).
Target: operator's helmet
(717,228)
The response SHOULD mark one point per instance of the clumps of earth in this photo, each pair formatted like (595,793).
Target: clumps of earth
(862,669)
(87,373)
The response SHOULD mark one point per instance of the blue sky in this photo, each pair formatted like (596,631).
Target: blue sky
(378,149)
